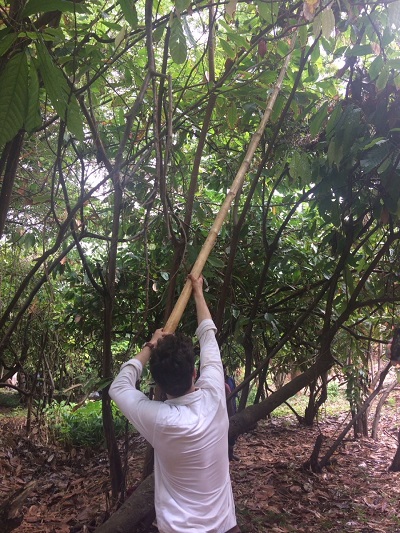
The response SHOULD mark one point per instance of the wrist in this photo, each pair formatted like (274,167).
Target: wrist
(150,345)
(198,295)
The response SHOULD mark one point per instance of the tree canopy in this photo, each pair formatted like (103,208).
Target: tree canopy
(124,125)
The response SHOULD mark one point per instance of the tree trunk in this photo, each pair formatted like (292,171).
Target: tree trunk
(315,403)
(116,472)
(246,419)
(13,152)
(133,511)
(395,466)
(383,398)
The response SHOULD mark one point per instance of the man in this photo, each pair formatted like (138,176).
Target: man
(189,431)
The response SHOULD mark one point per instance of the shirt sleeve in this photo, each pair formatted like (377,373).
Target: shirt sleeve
(135,405)
(211,370)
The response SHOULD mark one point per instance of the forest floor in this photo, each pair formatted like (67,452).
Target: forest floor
(59,491)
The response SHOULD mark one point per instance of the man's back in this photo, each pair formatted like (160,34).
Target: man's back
(191,465)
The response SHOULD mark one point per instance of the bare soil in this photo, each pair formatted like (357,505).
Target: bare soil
(51,490)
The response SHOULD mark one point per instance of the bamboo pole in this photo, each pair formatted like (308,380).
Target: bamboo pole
(180,306)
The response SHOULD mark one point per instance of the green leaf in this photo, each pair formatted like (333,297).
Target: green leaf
(328,45)
(377,140)
(394,13)
(350,127)
(383,78)
(120,36)
(375,67)
(158,33)
(182,5)
(375,156)
(335,152)
(318,119)
(44,6)
(359,50)
(13,97)
(239,40)
(303,35)
(215,262)
(53,34)
(33,119)
(177,43)
(128,8)
(394,63)
(317,25)
(300,167)
(232,115)
(111,25)
(384,166)
(6,42)
(60,94)
(327,22)
(333,120)
(229,51)
(268,11)
(28,241)
(188,33)
(283,48)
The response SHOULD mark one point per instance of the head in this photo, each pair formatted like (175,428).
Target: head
(172,364)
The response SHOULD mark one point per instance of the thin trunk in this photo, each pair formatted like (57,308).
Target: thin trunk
(395,466)
(324,461)
(382,401)
(116,471)
(13,151)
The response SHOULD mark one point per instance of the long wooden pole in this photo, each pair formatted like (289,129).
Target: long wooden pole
(180,306)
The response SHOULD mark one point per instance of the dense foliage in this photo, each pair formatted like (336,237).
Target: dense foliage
(123,126)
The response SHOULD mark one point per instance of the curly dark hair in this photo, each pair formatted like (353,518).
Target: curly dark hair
(172,364)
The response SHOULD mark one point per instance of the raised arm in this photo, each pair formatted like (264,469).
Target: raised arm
(201,305)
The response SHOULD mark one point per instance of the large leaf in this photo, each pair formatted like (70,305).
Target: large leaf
(268,11)
(44,6)
(375,156)
(359,50)
(33,119)
(230,7)
(327,22)
(13,97)
(59,92)
(383,78)
(394,13)
(318,119)
(129,10)
(232,115)
(182,5)
(177,44)
(299,167)
(6,42)
(375,68)
(229,51)
(335,152)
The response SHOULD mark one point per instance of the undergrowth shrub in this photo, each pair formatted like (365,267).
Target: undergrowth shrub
(80,428)
(10,400)
(333,389)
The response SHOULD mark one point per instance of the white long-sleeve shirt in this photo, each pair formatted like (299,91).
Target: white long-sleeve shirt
(189,435)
